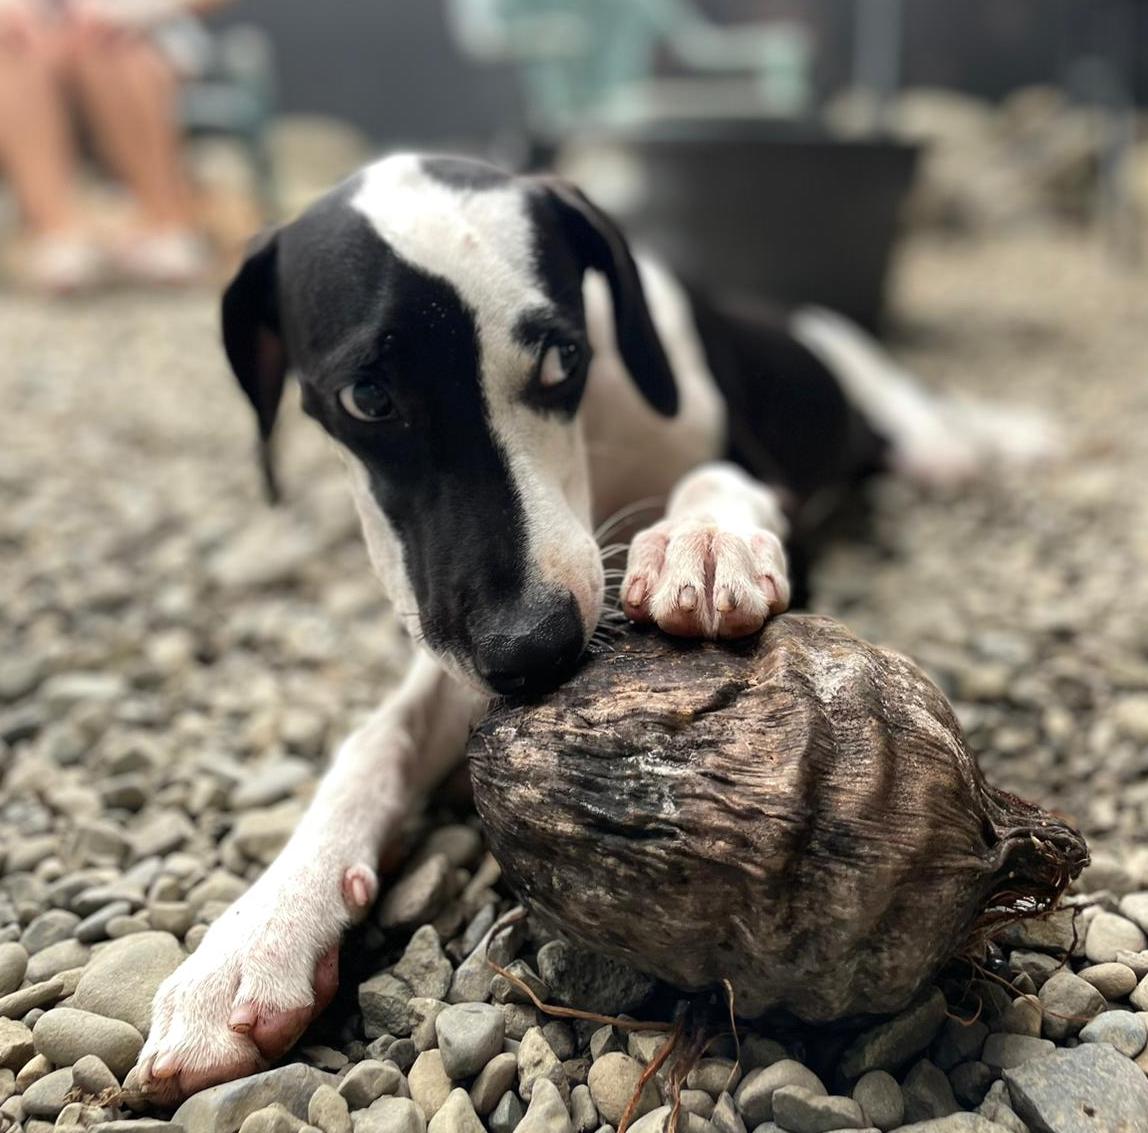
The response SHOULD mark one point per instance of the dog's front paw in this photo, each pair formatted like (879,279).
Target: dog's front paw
(265,969)
(694,579)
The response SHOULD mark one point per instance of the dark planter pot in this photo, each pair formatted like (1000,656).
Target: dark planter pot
(793,216)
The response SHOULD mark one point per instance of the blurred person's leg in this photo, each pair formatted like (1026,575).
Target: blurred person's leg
(129,92)
(37,150)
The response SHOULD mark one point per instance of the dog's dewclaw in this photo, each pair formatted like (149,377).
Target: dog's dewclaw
(799,815)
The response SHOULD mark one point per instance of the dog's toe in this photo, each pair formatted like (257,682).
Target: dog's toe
(694,579)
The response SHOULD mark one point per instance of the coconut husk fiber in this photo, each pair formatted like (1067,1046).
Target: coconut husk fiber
(798,815)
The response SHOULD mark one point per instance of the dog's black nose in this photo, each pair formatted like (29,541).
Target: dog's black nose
(530,652)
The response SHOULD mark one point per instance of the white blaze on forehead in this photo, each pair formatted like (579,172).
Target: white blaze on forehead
(478,240)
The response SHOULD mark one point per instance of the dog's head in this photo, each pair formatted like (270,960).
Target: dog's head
(432,311)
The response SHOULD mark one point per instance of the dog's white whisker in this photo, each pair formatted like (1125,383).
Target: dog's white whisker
(624,514)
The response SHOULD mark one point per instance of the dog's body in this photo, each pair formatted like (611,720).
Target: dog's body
(501,377)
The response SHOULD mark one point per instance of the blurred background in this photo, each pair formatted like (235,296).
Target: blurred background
(969,180)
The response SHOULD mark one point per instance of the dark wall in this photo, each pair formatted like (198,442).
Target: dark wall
(390,66)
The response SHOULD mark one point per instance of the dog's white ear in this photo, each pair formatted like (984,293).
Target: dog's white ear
(598,243)
(254,345)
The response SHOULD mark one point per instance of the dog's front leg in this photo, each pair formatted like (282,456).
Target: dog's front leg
(715,565)
(270,963)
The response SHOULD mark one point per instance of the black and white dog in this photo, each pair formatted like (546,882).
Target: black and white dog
(501,375)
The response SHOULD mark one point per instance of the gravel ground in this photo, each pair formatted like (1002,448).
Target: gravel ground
(177,660)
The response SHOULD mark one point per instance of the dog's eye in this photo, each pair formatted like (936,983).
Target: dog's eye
(367,401)
(559,363)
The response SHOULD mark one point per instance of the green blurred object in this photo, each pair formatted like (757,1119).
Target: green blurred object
(593,62)
(235,96)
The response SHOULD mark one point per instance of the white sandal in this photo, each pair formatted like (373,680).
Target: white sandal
(172,258)
(62,264)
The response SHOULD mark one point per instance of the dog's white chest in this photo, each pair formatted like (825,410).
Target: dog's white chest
(634,452)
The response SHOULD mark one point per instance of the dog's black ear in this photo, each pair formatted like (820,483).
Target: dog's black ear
(599,244)
(254,345)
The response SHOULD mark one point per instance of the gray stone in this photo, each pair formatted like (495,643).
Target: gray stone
(1112,980)
(175,917)
(424,967)
(122,978)
(697,1101)
(271,783)
(469,1036)
(1053,933)
(390,1115)
(17,1004)
(890,1045)
(48,1095)
(424,1014)
(95,927)
(954,1123)
(582,979)
(16,1045)
(384,1003)
(725,1117)
(1024,1016)
(13,965)
(1001,1052)
(927,1093)
(506,1114)
(583,1111)
(456,1115)
(417,896)
(757,1051)
(1135,908)
(368,1081)
(47,929)
(1138,998)
(754,1097)
(1068,1002)
(57,958)
(958,1042)
(135,1125)
(880,1099)
(497,1076)
(1038,966)
(271,1119)
(92,1076)
(656,1121)
(546,1112)
(429,1083)
(604,1041)
(64,1035)
(1126,1031)
(1109,934)
(328,1111)
(802,1111)
(223,1108)
(260,834)
(402,1053)
(1089,1087)
(970,1082)
(503,990)
(613,1081)
(997,1107)
(536,1061)
(33,1070)
(714,1075)
(472,979)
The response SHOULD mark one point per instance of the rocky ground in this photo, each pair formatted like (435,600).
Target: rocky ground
(178,659)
